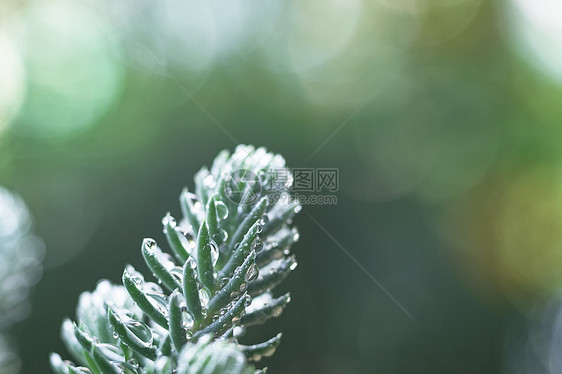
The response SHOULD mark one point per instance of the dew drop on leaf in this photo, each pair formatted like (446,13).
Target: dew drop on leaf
(276,312)
(238,331)
(168,220)
(223,282)
(252,273)
(214,252)
(222,210)
(186,319)
(243,287)
(204,296)
(137,281)
(150,244)
(257,244)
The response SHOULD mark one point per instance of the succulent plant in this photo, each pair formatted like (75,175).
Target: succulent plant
(226,254)
(21,253)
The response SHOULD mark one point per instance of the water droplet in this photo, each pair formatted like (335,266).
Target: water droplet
(238,331)
(296,236)
(252,273)
(293,265)
(159,301)
(204,296)
(177,273)
(224,235)
(234,294)
(192,262)
(165,258)
(223,282)
(214,252)
(222,210)
(235,320)
(297,209)
(137,281)
(222,312)
(243,287)
(264,219)
(276,312)
(141,330)
(259,228)
(186,319)
(168,220)
(197,207)
(269,351)
(150,244)
(257,244)
(248,300)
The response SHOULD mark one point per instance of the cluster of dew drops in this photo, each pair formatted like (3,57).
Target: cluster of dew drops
(159,300)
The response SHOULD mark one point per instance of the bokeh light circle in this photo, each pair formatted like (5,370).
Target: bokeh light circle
(73,68)
(535,30)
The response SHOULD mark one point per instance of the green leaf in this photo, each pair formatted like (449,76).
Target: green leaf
(213,358)
(178,334)
(241,251)
(281,214)
(190,206)
(205,269)
(176,240)
(212,220)
(249,220)
(191,293)
(62,367)
(132,285)
(273,309)
(128,337)
(276,250)
(234,287)
(106,365)
(224,322)
(258,351)
(273,278)
(153,258)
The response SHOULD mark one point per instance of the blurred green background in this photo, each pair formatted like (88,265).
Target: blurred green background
(444,118)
